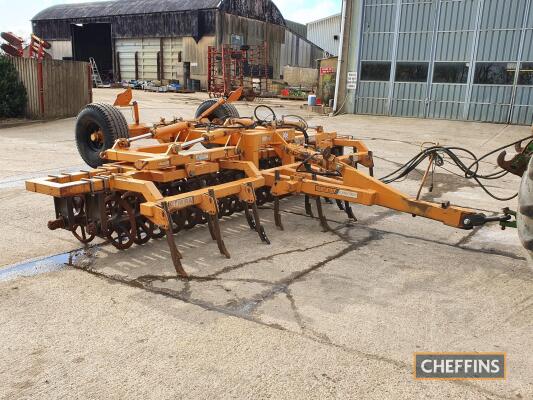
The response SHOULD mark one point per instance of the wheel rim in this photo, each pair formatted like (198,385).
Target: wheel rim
(94,137)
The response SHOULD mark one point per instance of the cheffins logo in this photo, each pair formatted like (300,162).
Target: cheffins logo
(460,366)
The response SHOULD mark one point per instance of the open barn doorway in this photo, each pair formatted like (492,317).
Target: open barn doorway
(94,40)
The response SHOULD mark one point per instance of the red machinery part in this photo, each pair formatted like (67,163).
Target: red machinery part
(12,39)
(12,51)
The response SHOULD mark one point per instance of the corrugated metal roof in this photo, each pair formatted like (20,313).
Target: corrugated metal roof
(122,7)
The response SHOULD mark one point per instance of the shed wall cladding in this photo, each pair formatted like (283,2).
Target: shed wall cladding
(147,50)
(298,52)
(326,33)
(452,59)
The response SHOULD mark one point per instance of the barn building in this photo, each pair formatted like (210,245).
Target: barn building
(326,32)
(451,59)
(159,39)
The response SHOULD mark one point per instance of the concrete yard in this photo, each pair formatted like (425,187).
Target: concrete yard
(312,316)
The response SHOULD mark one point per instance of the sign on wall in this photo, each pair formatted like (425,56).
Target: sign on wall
(351,83)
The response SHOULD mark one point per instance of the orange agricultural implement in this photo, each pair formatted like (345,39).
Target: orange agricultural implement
(199,171)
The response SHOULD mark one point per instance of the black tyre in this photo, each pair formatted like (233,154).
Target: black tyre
(97,129)
(525,212)
(223,112)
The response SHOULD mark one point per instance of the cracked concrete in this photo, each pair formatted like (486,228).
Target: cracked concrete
(314,315)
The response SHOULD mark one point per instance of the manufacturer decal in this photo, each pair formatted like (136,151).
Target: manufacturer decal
(202,157)
(181,203)
(324,189)
(344,193)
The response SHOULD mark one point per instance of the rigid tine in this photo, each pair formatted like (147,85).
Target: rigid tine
(308,209)
(277,215)
(349,211)
(248,215)
(174,252)
(320,211)
(340,205)
(211,227)
(259,228)
(256,219)
(215,225)
(209,220)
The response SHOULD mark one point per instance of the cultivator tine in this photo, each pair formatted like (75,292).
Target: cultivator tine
(320,211)
(259,228)
(248,215)
(174,252)
(347,208)
(211,227)
(253,217)
(214,227)
(321,217)
(308,209)
(277,215)
(349,211)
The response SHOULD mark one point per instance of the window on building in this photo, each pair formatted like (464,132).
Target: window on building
(375,71)
(412,72)
(525,76)
(450,73)
(495,73)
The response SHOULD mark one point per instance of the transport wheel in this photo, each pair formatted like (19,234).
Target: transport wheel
(97,128)
(525,211)
(223,112)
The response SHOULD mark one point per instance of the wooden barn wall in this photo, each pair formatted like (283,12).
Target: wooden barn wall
(254,32)
(60,49)
(263,10)
(66,87)
(196,54)
(27,70)
(191,23)
(284,46)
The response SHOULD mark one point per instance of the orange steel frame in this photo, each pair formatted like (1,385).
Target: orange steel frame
(139,169)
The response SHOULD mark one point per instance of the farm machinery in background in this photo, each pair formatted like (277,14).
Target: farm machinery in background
(238,66)
(16,46)
(152,181)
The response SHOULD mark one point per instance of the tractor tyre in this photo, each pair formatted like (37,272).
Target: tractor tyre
(97,129)
(222,113)
(525,211)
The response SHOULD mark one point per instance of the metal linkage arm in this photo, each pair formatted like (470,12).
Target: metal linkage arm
(356,187)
